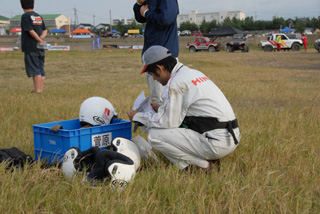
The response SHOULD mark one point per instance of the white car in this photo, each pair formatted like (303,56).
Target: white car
(286,43)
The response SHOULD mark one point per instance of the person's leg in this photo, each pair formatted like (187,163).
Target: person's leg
(33,69)
(184,146)
(42,82)
(37,81)
(41,67)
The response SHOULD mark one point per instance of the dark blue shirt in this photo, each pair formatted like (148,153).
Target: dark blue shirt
(161,24)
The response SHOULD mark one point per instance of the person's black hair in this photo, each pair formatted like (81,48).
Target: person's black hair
(27,4)
(168,63)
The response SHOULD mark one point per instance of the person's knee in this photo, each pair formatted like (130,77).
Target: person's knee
(154,137)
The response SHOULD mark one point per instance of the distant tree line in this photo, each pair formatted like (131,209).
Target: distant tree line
(122,28)
(248,24)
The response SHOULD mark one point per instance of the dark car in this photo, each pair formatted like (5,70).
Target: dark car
(238,42)
(317,45)
(116,35)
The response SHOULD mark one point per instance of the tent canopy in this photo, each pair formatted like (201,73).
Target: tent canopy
(80,30)
(224,31)
(286,30)
(16,30)
(57,31)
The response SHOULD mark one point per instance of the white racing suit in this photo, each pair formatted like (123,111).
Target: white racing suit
(189,93)
(155,89)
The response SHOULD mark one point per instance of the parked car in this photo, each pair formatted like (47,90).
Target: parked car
(286,43)
(196,33)
(137,35)
(107,34)
(185,33)
(203,43)
(116,35)
(238,42)
(317,45)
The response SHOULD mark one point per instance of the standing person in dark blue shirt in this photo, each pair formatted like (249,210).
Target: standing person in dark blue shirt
(160,17)
(33,31)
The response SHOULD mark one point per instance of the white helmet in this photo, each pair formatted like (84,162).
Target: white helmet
(128,148)
(101,165)
(115,166)
(96,111)
(74,160)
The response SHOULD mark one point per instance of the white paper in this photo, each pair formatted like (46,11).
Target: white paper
(142,104)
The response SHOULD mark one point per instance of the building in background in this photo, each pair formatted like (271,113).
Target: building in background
(124,21)
(4,25)
(52,21)
(85,26)
(102,26)
(4,22)
(197,18)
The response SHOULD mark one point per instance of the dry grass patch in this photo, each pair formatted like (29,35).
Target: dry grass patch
(275,169)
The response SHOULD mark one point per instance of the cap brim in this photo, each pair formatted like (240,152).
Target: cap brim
(144,69)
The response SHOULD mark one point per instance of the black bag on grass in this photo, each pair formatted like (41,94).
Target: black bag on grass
(14,157)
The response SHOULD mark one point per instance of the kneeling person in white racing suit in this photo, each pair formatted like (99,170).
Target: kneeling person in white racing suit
(195,123)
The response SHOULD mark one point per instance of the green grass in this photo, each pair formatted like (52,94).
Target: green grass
(275,169)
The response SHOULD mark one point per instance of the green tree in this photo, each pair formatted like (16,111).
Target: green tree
(236,23)
(248,24)
(188,26)
(121,28)
(278,22)
(227,22)
(299,25)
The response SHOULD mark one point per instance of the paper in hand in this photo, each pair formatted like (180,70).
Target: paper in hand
(143,104)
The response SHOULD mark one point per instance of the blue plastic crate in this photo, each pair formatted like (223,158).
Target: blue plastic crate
(52,146)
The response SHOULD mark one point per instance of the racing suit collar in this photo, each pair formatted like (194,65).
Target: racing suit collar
(176,68)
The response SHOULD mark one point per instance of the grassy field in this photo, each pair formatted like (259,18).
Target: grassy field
(275,169)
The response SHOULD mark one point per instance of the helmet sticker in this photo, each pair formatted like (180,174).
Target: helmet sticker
(98,120)
(106,113)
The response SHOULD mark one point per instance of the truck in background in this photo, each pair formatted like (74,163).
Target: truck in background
(287,43)
(203,43)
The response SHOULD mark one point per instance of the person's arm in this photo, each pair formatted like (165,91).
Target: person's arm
(36,36)
(136,9)
(167,15)
(170,114)
(44,34)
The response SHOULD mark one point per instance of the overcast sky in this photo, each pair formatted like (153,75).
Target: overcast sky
(98,11)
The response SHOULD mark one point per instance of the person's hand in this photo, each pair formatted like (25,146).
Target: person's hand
(155,106)
(141,1)
(143,9)
(131,114)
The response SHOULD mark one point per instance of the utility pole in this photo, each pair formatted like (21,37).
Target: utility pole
(93,20)
(75,17)
(110,21)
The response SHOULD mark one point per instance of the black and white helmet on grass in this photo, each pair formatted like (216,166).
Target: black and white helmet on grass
(128,148)
(100,166)
(96,111)
(76,161)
